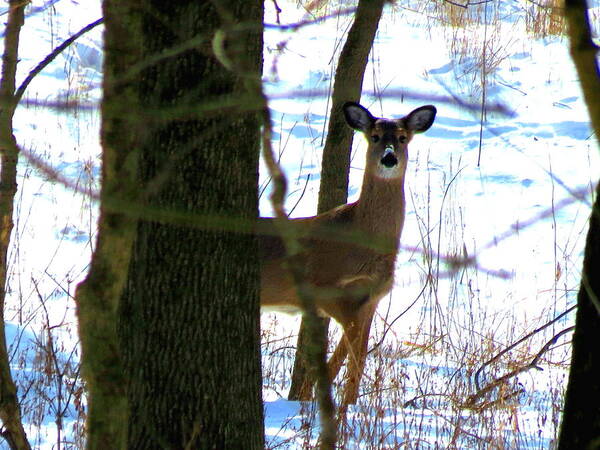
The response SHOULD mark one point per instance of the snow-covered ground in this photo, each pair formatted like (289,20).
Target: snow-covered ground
(522,213)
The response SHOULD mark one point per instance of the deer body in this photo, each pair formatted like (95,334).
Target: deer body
(349,274)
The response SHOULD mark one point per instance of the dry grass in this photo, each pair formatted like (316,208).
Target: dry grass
(421,372)
(468,364)
(545,18)
(50,247)
(440,377)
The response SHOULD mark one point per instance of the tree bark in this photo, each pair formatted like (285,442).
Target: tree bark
(10,412)
(584,54)
(335,166)
(99,294)
(189,317)
(580,427)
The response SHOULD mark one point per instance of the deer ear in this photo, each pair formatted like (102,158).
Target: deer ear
(358,117)
(420,119)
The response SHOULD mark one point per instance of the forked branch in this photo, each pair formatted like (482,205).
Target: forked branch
(515,344)
(472,400)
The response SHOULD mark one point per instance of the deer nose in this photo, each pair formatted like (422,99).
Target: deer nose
(389,159)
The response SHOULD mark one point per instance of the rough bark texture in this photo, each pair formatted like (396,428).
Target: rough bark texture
(580,428)
(584,54)
(10,413)
(189,319)
(335,165)
(99,295)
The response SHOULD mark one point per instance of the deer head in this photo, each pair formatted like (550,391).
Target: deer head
(388,139)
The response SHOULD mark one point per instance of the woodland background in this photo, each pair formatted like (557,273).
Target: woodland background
(160,345)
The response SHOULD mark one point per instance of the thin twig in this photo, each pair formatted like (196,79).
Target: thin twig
(466,5)
(470,403)
(483,83)
(307,22)
(515,344)
(401,94)
(51,56)
(389,326)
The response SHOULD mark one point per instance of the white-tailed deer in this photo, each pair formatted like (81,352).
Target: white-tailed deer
(348,272)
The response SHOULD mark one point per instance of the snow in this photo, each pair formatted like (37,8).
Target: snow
(522,212)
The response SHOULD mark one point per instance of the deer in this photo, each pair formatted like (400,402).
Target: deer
(350,276)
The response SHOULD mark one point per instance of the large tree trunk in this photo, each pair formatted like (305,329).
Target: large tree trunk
(10,413)
(189,319)
(580,428)
(335,166)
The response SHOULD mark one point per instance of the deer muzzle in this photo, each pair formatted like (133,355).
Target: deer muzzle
(389,158)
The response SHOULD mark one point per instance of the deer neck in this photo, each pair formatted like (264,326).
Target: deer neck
(380,207)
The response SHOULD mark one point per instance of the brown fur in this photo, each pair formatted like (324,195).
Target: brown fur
(349,275)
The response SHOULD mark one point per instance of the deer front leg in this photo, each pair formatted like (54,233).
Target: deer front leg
(346,307)
(350,308)
(334,364)
(356,294)
(357,348)
(335,361)
(337,358)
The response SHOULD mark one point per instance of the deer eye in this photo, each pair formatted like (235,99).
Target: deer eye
(375,138)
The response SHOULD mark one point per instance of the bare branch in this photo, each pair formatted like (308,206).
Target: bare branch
(467,4)
(515,344)
(472,400)
(398,93)
(307,22)
(533,364)
(51,56)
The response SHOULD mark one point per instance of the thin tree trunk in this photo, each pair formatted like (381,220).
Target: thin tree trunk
(98,296)
(189,317)
(580,427)
(10,413)
(584,54)
(335,166)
